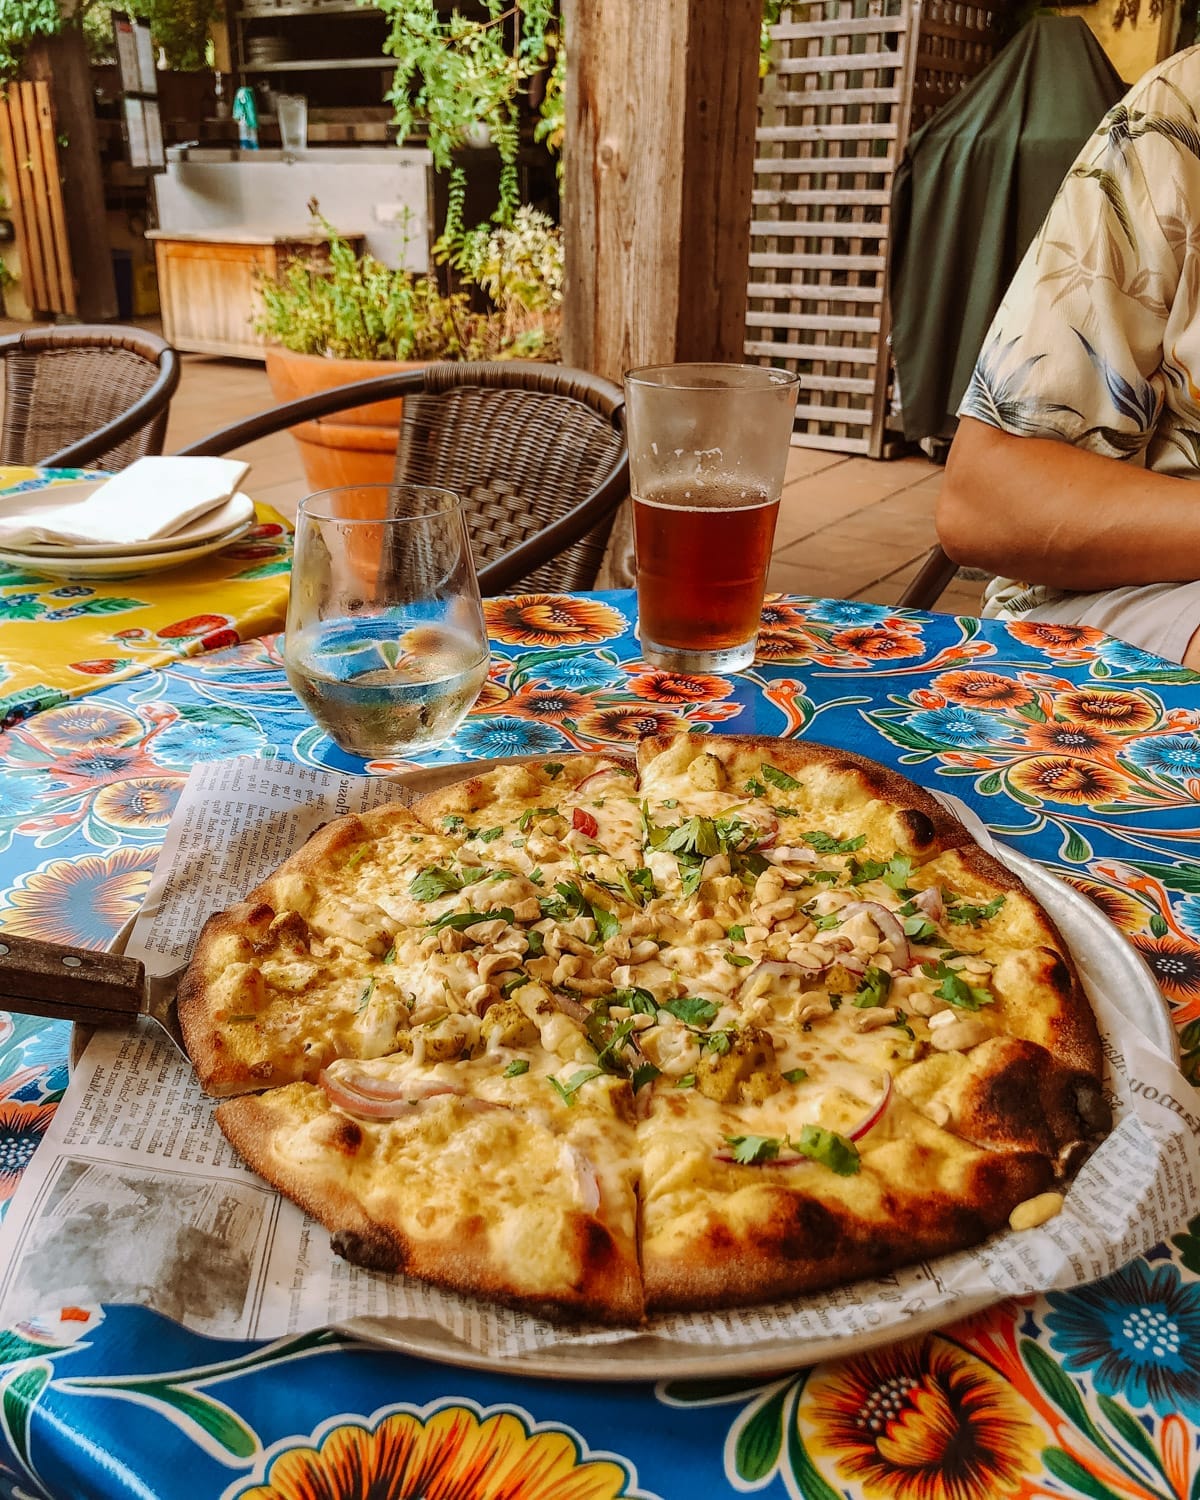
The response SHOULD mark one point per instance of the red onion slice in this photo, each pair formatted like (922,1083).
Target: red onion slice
(606,770)
(888,924)
(869,1121)
(931,903)
(378,1098)
(569,1006)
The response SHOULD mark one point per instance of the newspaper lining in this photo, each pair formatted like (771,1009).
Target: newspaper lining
(134,1146)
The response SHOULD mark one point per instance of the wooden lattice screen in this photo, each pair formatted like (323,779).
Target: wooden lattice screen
(851,79)
(29,156)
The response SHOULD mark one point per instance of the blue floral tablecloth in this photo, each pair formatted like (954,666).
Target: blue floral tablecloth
(1075,748)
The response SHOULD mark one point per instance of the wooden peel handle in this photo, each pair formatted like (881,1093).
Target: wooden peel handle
(70,984)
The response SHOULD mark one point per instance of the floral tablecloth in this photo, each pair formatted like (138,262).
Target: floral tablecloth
(1075,748)
(63,637)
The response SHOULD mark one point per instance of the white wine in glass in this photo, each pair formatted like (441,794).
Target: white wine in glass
(386,645)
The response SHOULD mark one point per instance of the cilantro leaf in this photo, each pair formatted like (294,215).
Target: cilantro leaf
(525,821)
(755,788)
(873,988)
(827,922)
(535,944)
(779,779)
(795,1075)
(607,924)
(825,843)
(365,998)
(518,1066)
(898,872)
(552,768)
(830,1149)
(461,920)
(692,1010)
(643,1074)
(920,928)
(738,960)
(488,835)
(964,912)
(567,1091)
(432,882)
(954,989)
(636,999)
(688,1081)
(737,933)
(452,823)
(691,875)
(748,1149)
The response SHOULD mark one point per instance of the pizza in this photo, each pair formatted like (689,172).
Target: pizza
(730,1022)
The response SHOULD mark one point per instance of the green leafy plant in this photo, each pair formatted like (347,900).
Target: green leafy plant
(350,306)
(178,27)
(456,72)
(21,21)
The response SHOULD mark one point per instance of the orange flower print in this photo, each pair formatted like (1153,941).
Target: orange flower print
(22,1126)
(919,1421)
(491,695)
(82,901)
(551,620)
(96,725)
(627,723)
(778,645)
(876,643)
(1062,778)
(680,687)
(1123,712)
(981,689)
(550,703)
(1176,965)
(779,616)
(1055,640)
(1121,909)
(1070,739)
(452,1452)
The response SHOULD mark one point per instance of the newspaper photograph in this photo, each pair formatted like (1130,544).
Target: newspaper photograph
(135,1196)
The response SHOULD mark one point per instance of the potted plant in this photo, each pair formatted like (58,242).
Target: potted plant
(347,317)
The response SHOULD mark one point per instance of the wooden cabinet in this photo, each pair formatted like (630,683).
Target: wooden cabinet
(207,284)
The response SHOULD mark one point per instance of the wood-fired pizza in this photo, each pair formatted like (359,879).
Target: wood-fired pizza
(735,1021)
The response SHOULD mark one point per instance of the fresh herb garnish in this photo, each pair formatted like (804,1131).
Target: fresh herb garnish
(552,768)
(358,854)
(535,944)
(636,999)
(536,877)
(737,933)
(795,1075)
(241,1020)
(567,1091)
(738,960)
(488,835)
(432,882)
(919,928)
(954,989)
(779,779)
(785,812)
(692,1010)
(525,821)
(755,788)
(688,1081)
(452,823)
(365,998)
(518,1066)
(670,802)
(825,843)
(830,1149)
(749,1149)
(568,901)
(718,1042)
(643,1074)
(461,920)
(607,924)
(611,1043)
(513,982)
(964,912)
(826,922)
(873,989)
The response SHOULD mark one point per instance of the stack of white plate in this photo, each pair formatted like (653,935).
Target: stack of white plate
(207,533)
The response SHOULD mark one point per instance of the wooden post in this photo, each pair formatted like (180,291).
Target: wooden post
(661,104)
(62,61)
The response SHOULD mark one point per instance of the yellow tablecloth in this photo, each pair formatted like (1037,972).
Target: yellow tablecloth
(61,637)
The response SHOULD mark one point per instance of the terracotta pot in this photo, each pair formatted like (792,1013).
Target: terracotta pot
(352,447)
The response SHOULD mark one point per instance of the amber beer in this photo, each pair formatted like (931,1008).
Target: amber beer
(703,549)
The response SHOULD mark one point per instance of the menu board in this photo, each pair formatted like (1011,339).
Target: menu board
(139,87)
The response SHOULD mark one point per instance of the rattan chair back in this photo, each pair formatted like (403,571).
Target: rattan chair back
(94,396)
(521,444)
(536,451)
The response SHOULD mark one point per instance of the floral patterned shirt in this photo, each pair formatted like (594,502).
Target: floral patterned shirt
(1097,341)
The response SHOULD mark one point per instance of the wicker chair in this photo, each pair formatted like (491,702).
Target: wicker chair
(535,451)
(932,579)
(85,395)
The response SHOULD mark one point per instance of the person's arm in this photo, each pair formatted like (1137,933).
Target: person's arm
(1046,512)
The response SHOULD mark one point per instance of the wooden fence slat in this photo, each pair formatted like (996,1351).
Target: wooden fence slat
(776,260)
(60,244)
(815,197)
(37,292)
(788,31)
(848,355)
(8,160)
(813,291)
(41,192)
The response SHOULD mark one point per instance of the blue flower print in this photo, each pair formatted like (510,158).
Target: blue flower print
(507,735)
(18,795)
(582,673)
(1173,755)
(1187,914)
(202,734)
(1128,658)
(844,612)
(964,728)
(1137,1334)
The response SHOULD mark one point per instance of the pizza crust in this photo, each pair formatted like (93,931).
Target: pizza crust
(711,934)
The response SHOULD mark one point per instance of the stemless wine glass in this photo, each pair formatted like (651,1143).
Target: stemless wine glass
(386,645)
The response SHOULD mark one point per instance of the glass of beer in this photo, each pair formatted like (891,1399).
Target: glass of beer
(708,448)
(386,644)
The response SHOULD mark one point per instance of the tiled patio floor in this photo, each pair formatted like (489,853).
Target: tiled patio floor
(848,527)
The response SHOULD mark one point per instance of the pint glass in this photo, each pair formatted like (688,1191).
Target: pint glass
(708,447)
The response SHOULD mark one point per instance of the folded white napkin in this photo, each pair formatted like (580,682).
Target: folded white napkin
(152,498)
